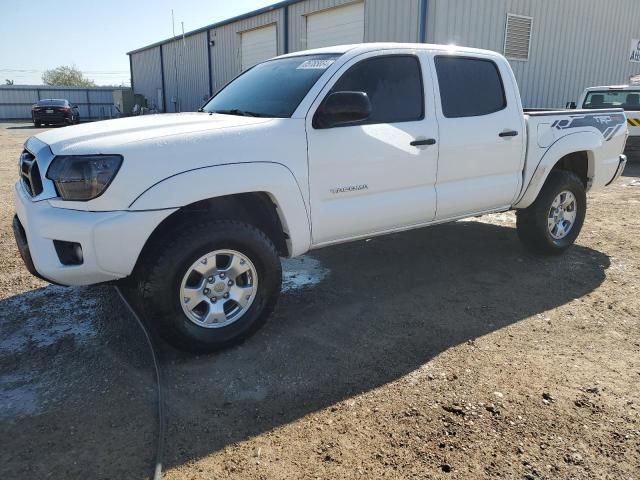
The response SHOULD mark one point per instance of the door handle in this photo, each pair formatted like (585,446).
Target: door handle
(508,133)
(428,141)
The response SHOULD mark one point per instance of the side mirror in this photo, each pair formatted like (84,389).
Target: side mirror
(571,105)
(341,109)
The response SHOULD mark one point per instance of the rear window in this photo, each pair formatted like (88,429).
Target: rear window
(52,103)
(627,99)
(469,87)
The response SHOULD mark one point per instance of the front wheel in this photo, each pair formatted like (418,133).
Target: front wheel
(553,222)
(212,286)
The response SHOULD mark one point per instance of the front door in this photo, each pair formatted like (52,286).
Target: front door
(368,178)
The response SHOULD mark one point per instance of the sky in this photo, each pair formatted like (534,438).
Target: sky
(95,35)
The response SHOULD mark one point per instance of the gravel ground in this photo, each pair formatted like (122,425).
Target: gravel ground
(452,353)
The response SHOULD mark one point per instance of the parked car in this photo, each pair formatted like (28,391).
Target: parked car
(54,111)
(301,152)
(626,97)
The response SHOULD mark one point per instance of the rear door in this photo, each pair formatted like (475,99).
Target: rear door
(481,135)
(368,178)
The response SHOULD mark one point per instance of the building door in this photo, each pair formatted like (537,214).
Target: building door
(259,45)
(337,26)
(379,174)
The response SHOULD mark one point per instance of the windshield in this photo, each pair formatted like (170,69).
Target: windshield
(271,89)
(627,99)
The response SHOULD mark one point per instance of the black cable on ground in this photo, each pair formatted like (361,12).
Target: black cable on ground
(157,474)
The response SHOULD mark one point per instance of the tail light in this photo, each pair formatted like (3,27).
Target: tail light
(66,109)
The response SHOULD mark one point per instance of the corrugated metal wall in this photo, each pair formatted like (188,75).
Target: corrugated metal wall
(93,103)
(396,21)
(226,52)
(192,68)
(575,43)
(389,21)
(384,21)
(146,75)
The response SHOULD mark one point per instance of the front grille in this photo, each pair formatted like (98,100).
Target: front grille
(30,173)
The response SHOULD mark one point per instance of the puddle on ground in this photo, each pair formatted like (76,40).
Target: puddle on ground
(47,316)
(18,397)
(32,322)
(301,272)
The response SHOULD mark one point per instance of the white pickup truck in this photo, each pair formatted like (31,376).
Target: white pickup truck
(626,97)
(301,152)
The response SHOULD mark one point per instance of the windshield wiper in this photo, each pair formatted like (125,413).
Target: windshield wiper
(241,113)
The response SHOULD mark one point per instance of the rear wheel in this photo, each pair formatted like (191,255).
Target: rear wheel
(212,286)
(37,124)
(553,222)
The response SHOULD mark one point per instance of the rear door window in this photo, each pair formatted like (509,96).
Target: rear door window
(469,87)
(393,84)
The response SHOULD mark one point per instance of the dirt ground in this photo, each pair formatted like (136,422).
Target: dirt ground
(448,352)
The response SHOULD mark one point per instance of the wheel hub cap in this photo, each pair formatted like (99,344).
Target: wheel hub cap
(562,215)
(218,288)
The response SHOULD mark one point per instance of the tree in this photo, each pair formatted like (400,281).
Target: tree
(8,82)
(66,76)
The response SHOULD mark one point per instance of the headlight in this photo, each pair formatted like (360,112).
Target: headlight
(83,177)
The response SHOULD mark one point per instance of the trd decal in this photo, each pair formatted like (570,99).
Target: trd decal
(607,124)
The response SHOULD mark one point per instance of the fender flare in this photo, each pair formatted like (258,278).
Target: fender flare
(274,179)
(588,142)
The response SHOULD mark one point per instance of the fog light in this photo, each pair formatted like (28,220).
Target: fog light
(69,253)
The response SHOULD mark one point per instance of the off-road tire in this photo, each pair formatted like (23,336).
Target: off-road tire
(160,274)
(533,230)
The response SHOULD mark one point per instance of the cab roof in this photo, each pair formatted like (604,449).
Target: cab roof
(613,88)
(359,48)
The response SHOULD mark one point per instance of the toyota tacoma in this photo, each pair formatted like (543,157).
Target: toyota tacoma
(300,152)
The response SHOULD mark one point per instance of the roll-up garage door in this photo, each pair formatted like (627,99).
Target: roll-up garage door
(337,26)
(259,45)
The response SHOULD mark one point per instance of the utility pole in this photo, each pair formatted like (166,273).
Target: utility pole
(176,104)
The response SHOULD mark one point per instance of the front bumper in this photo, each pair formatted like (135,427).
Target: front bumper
(52,117)
(111,241)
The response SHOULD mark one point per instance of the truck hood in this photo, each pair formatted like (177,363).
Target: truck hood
(110,135)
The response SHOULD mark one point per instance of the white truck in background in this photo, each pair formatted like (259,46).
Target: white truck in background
(626,97)
(300,152)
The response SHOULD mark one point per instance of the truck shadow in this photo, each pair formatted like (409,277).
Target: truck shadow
(384,308)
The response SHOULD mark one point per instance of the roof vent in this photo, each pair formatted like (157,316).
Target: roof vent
(517,37)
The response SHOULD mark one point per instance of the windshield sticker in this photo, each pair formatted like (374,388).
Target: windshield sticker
(315,64)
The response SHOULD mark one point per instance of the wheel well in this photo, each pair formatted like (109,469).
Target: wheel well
(256,208)
(578,163)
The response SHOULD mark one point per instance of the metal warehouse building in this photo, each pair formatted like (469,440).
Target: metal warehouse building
(556,47)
